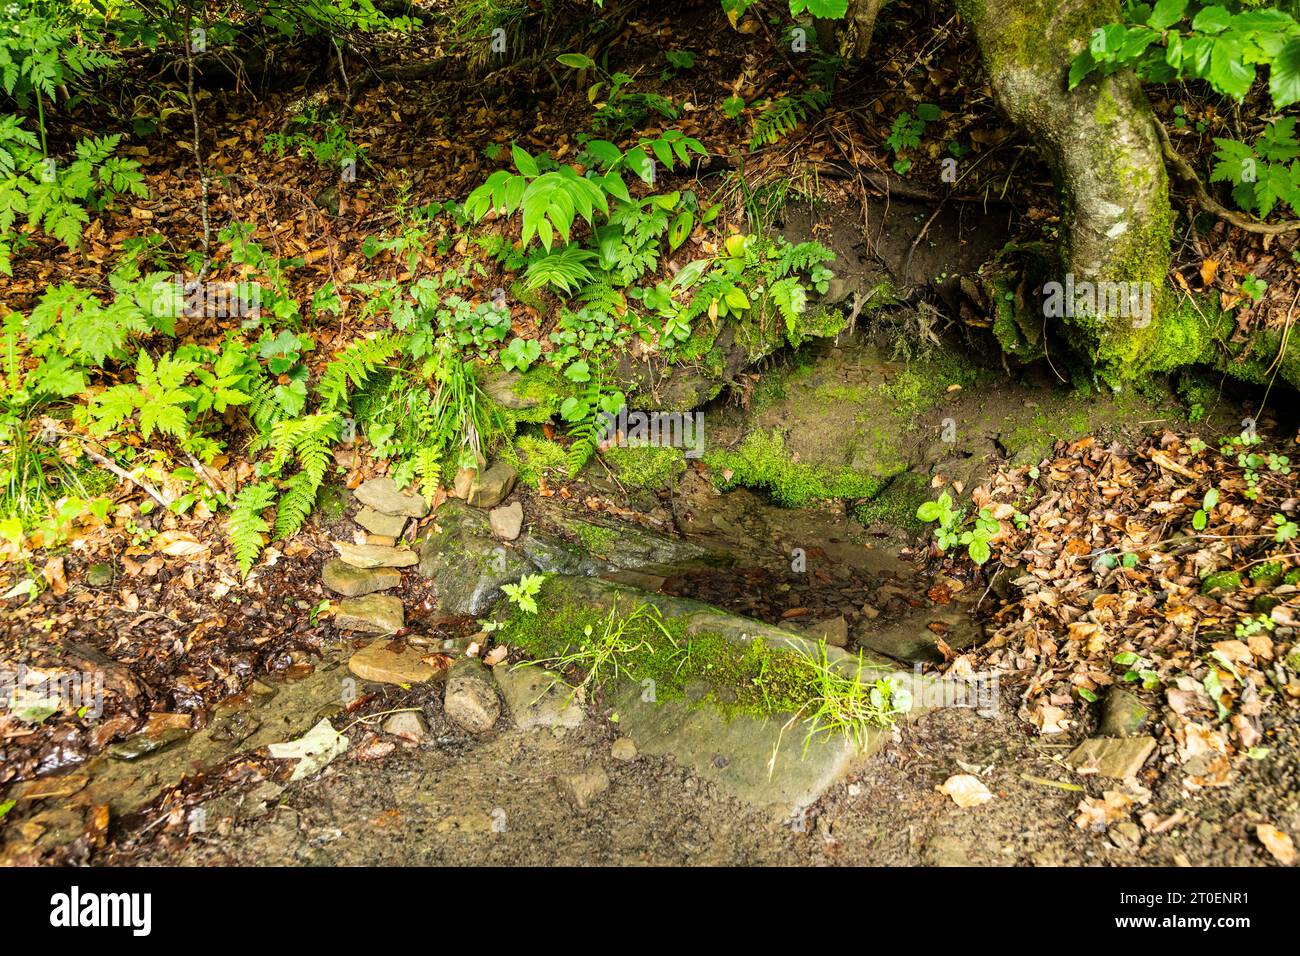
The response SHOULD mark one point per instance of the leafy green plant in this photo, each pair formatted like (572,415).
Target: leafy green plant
(906,133)
(524,594)
(950,533)
(1263,175)
(1170,41)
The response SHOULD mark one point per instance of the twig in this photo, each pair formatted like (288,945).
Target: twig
(1183,170)
(188,42)
(107,463)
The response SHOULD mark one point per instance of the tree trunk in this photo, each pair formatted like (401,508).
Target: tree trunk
(1101,144)
(851,36)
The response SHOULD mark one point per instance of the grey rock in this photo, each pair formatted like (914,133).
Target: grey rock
(581,788)
(834,631)
(343,578)
(502,387)
(468,564)
(507,521)
(382,494)
(375,555)
(1123,714)
(376,522)
(408,725)
(623,749)
(536,697)
(1111,757)
(470,702)
(490,487)
(371,614)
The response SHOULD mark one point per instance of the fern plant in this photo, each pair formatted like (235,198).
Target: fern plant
(785,113)
(247,526)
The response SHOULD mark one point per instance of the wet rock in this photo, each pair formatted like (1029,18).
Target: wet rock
(467,562)
(581,788)
(100,574)
(382,494)
(140,745)
(535,697)
(470,702)
(408,725)
(623,749)
(383,665)
(1111,757)
(375,555)
(490,487)
(376,522)
(834,631)
(372,614)
(507,521)
(1123,714)
(343,578)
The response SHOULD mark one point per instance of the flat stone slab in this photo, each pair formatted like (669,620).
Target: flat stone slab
(750,758)
(382,494)
(1115,757)
(376,522)
(537,698)
(910,639)
(372,614)
(384,666)
(343,578)
(375,555)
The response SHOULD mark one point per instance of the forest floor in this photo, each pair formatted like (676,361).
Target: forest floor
(184,642)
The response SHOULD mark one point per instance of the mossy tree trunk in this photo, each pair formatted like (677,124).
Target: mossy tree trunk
(1101,144)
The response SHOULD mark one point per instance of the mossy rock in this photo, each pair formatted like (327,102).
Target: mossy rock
(1221,582)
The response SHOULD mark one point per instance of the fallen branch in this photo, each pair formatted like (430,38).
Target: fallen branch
(1183,170)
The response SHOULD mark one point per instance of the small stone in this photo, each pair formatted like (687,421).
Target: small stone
(507,521)
(1111,757)
(490,487)
(100,574)
(408,725)
(465,478)
(1123,714)
(384,666)
(382,540)
(834,631)
(537,698)
(623,749)
(383,495)
(583,787)
(375,555)
(372,614)
(138,745)
(376,522)
(343,578)
(470,701)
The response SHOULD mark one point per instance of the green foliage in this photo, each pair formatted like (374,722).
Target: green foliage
(783,114)
(53,196)
(1264,175)
(319,135)
(524,594)
(1223,46)
(246,525)
(949,532)
(354,367)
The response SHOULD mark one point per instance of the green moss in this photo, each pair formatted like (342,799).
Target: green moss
(753,679)
(921,386)
(595,538)
(896,505)
(644,467)
(1221,581)
(1267,574)
(532,456)
(762,461)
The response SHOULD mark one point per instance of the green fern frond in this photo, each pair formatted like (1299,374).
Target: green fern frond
(357,363)
(784,114)
(246,526)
